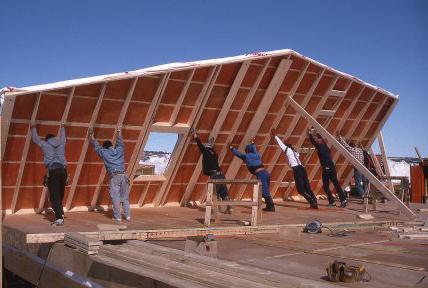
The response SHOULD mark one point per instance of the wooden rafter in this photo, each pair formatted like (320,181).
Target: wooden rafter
(63,119)
(119,124)
(217,126)
(84,149)
(6,115)
(173,118)
(24,155)
(373,180)
(279,117)
(263,108)
(185,139)
(143,195)
(385,160)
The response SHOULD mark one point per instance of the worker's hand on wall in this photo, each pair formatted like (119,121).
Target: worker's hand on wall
(62,124)
(119,129)
(253,140)
(229,145)
(91,132)
(32,125)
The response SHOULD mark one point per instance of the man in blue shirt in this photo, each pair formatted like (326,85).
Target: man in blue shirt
(55,163)
(114,161)
(254,164)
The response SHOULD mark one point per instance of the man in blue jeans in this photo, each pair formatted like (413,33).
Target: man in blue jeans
(114,161)
(254,164)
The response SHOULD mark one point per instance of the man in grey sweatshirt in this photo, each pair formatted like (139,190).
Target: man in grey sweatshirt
(114,161)
(56,165)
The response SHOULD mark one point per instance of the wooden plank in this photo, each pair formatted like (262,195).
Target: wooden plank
(180,100)
(385,161)
(263,108)
(143,195)
(256,209)
(185,139)
(373,180)
(216,128)
(84,149)
(63,119)
(24,155)
(6,115)
(119,124)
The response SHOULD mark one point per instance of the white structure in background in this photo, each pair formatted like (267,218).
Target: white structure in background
(160,161)
(399,168)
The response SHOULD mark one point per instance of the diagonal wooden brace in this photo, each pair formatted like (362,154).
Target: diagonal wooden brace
(345,153)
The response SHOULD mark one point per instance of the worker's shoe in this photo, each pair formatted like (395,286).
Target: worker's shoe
(270,206)
(116,219)
(128,218)
(331,205)
(58,222)
(228,210)
(314,205)
(343,204)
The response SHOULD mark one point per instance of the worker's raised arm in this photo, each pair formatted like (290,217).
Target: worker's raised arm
(280,143)
(346,145)
(62,134)
(119,141)
(94,142)
(35,137)
(200,145)
(237,153)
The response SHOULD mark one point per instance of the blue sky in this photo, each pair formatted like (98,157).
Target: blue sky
(382,42)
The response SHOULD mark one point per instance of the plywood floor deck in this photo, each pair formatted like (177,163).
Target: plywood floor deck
(183,217)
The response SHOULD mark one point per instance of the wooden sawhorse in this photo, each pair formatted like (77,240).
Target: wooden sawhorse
(255,203)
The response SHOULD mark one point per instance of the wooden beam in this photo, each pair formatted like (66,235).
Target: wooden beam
(6,117)
(84,149)
(373,180)
(185,139)
(385,160)
(119,124)
(180,100)
(63,119)
(281,114)
(216,128)
(25,154)
(145,130)
(263,108)
(143,195)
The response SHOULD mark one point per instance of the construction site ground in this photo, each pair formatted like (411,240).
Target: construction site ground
(390,261)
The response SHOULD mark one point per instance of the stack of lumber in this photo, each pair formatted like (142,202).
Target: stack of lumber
(170,267)
(82,243)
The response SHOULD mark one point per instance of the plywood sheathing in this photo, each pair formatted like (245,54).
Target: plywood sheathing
(232,99)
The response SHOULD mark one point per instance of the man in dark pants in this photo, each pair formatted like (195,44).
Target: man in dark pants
(211,168)
(55,163)
(328,169)
(252,159)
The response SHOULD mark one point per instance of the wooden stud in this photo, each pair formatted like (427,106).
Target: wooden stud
(24,155)
(217,126)
(373,180)
(143,195)
(84,149)
(186,138)
(119,124)
(263,108)
(63,119)
(256,211)
(6,115)
(385,160)
(210,191)
(180,100)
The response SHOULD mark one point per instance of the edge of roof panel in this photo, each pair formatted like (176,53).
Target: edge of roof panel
(177,66)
